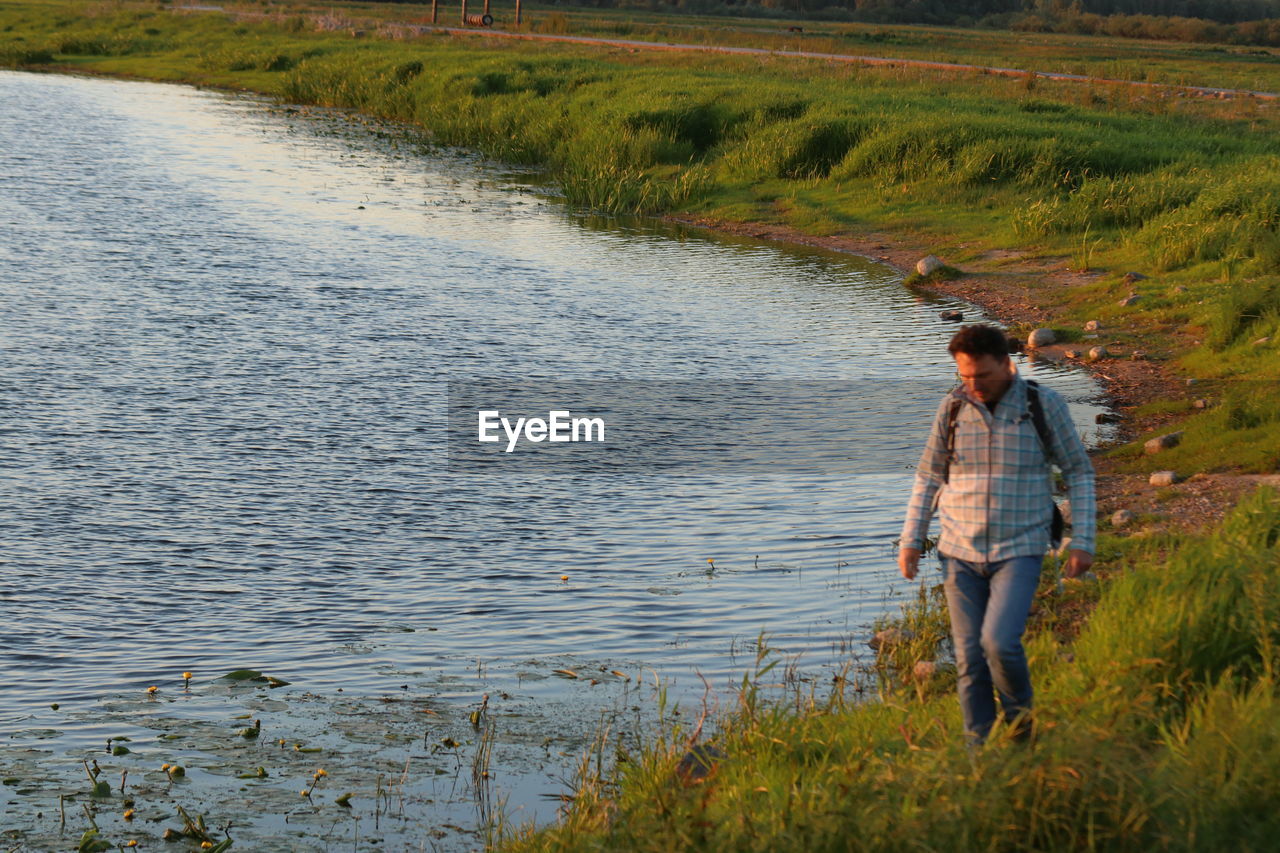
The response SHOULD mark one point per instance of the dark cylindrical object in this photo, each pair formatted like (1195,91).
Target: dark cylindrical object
(479,20)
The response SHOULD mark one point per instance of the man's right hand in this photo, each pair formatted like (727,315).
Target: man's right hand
(909,562)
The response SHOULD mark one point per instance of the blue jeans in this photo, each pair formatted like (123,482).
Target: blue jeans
(989,603)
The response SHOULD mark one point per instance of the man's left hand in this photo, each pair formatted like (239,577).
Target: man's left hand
(1078,562)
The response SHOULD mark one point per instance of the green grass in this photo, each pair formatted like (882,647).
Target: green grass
(1156,730)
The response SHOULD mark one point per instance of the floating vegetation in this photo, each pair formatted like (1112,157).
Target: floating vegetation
(254,676)
(99,788)
(92,842)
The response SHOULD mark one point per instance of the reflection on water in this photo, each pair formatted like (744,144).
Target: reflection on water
(226,345)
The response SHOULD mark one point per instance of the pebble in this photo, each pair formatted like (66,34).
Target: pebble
(698,762)
(1098,353)
(1163,442)
(1164,478)
(927,264)
(1041,338)
(890,637)
(1121,518)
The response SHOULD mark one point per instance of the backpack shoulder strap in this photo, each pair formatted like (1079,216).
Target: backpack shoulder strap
(1058,524)
(953,415)
(1038,418)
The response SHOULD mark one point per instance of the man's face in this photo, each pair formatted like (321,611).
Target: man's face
(985,377)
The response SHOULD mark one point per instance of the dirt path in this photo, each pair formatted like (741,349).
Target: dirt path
(882,61)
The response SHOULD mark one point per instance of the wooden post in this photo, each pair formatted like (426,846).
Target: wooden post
(434,10)
(486,7)
(464,13)
(517,13)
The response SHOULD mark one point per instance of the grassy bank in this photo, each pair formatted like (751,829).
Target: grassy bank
(1157,731)
(1156,717)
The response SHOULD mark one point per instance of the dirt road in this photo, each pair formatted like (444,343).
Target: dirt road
(1202,91)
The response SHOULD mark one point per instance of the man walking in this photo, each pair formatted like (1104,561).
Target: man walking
(987,469)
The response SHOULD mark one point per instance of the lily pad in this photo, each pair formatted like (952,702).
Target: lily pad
(37,734)
(90,842)
(240,675)
(264,704)
(244,675)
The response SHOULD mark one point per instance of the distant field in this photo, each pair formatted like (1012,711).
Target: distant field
(1227,66)
(1163,62)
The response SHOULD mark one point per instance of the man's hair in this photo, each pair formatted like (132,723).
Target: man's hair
(980,339)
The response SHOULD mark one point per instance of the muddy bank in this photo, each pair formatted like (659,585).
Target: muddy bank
(1024,291)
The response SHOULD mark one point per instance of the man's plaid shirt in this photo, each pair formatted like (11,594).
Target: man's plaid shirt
(997,502)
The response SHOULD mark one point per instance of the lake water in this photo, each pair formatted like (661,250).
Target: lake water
(229,337)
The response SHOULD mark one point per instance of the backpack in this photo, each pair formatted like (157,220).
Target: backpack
(1058,525)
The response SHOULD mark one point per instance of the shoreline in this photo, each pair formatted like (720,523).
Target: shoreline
(1007,284)
(1128,382)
